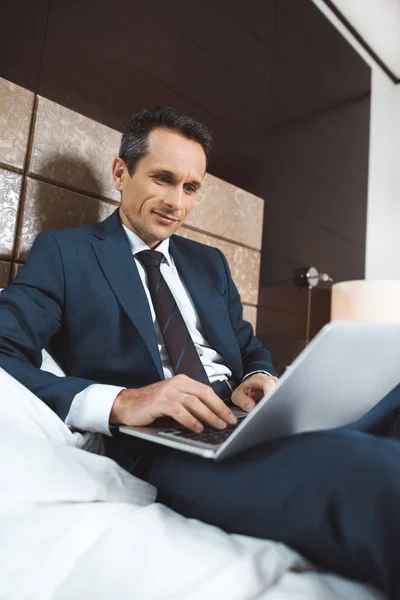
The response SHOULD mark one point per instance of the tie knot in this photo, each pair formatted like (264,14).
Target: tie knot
(150,258)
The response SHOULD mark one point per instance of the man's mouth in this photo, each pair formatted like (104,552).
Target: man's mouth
(164,217)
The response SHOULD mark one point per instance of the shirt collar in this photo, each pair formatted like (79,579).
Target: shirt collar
(137,245)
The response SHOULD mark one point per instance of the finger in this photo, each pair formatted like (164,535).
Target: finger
(207,395)
(197,408)
(259,385)
(218,407)
(180,414)
(269,384)
(241,399)
(248,393)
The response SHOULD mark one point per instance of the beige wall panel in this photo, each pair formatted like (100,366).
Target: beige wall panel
(243,262)
(228,211)
(47,207)
(16,105)
(250,314)
(5,268)
(10,189)
(73,151)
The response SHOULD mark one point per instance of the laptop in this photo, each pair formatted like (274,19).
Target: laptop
(346,370)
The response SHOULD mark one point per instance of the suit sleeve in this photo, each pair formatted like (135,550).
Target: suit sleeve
(254,356)
(31,312)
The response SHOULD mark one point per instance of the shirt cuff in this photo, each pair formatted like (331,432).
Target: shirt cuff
(253,373)
(90,409)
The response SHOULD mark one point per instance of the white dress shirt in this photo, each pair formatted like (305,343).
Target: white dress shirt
(90,409)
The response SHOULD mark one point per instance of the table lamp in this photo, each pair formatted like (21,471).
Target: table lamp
(366,300)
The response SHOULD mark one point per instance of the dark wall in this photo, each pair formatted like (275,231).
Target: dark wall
(315,173)
(287,98)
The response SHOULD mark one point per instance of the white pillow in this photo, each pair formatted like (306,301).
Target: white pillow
(46,465)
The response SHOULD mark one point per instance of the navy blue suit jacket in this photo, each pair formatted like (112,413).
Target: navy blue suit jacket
(80,294)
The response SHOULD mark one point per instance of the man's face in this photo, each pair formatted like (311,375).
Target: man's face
(162,191)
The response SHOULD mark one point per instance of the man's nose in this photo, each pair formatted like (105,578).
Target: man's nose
(174,197)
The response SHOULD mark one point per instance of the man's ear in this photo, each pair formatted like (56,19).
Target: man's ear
(119,171)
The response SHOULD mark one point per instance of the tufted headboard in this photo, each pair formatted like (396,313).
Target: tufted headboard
(55,172)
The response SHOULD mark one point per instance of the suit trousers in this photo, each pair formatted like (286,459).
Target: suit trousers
(334,496)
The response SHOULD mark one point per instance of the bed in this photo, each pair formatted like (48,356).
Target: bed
(74,525)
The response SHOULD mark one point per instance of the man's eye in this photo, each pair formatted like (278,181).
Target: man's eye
(190,189)
(162,178)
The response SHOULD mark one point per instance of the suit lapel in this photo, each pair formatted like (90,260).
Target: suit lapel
(115,257)
(210,307)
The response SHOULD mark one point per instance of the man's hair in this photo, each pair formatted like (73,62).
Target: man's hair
(134,142)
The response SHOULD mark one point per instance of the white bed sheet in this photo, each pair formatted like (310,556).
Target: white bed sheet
(74,525)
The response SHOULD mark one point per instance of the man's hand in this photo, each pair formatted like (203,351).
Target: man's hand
(180,397)
(248,393)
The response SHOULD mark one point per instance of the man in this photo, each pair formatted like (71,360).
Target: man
(148,324)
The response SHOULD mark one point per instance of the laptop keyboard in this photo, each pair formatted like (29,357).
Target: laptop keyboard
(210,436)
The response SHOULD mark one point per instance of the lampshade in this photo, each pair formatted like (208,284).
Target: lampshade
(366,300)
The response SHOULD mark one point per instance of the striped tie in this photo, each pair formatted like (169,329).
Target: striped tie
(179,344)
